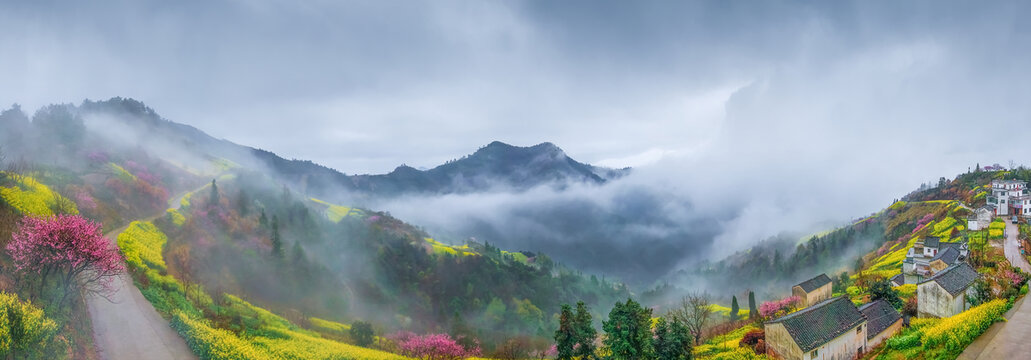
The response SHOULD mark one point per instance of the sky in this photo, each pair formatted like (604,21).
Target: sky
(796,111)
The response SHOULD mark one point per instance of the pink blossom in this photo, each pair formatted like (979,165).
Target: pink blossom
(432,346)
(770,308)
(68,246)
(84,200)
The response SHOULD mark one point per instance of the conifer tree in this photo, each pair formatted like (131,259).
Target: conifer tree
(628,331)
(752,310)
(277,242)
(565,336)
(585,332)
(734,308)
(213,200)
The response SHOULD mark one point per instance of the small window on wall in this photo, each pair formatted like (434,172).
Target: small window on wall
(815,353)
(859,330)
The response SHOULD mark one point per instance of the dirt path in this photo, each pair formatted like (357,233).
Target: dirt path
(126,326)
(1007,340)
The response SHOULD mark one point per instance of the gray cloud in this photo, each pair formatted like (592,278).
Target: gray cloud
(775,116)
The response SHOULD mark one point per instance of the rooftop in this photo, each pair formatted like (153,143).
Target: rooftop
(955,279)
(820,323)
(879,316)
(814,283)
(932,242)
(949,255)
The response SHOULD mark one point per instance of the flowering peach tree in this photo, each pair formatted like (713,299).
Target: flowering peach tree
(432,346)
(68,249)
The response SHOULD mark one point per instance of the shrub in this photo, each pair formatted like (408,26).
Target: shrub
(24,328)
(362,334)
(904,342)
(958,331)
(752,338)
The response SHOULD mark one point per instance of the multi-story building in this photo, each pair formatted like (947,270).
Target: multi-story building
(1010,197)
(929,256)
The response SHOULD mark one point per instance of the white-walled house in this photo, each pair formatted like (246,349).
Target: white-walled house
(980,219)
(919,259)
(829,330)
(813,290)
(946,293)
(1010,197)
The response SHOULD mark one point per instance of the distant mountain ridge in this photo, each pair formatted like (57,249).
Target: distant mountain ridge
(495,166)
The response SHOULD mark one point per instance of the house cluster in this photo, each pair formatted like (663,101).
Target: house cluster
(834,328)
(830,327)
(928,257)
(1009,197)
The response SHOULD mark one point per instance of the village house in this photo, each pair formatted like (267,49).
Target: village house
(981,218)
(945,293)
(882,322)
(831,329)
(813,290)
(918,263)
(1010,197)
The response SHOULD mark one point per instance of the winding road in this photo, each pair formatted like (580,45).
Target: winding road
(1009,339)
(125,324)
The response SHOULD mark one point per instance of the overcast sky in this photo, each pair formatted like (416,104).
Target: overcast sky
(870,97)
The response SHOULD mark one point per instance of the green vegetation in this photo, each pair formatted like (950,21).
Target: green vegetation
(944,338)
(25,331)
(31,197)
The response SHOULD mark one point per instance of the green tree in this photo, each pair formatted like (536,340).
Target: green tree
(496,311)
(672,341)
(565,336)
(362,334)
(734,308)
(213,199)
(585,332)
(882,290)
(628,331)
(752,310)
(277,241)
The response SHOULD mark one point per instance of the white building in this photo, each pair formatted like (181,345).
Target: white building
(980,219)
(946,293)
(930,251)
(1010,197)
(831,329)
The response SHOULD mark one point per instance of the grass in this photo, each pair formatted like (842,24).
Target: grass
(31,197)
(726,347)
(464,250)
(944,338)
(725,311)
(335,213)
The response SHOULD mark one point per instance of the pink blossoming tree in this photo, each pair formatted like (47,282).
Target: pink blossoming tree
(432,346)
(769,309)
(68,249)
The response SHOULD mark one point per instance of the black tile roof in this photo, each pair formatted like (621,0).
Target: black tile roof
(879,316)
(820,323)
(814,283)
(932,242)
(899,279)
(955,278)
(948,255)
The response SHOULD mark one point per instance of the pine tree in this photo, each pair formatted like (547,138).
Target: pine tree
(213,200)
(628,331)
(263,219)
(585,332)
(752,310)
(672,341)
(565,336)
(277,242)
(734,308)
